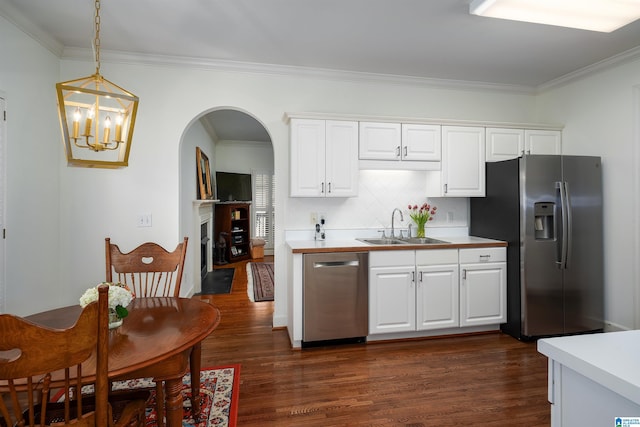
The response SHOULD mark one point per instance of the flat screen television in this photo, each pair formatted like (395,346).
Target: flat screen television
(232,186)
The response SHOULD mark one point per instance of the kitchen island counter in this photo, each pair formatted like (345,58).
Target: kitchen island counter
(353,245)
(593,378)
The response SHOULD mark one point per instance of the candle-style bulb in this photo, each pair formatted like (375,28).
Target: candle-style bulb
(119,120)
(107,129)
(76,123)
(87,124)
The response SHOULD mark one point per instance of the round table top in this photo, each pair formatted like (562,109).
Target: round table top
(156,329)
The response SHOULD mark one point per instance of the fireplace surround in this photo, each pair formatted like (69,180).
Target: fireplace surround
(203,233)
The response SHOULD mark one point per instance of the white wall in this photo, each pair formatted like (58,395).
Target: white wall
(600,120)
(28,74)
(243,156)
(194,136)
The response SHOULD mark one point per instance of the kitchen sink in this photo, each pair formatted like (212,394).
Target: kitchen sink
(383,241)
(423,241)
(404,241)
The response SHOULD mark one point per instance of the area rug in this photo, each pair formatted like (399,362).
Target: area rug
(260,281)
(218,281)
(219,391)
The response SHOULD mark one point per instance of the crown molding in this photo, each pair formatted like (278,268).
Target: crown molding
(605,64)
(13,15)
(287,116)
(288,71)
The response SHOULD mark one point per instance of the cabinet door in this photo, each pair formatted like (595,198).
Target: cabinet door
(463,161)
(392,299)
(437,297)
(380,141)
(307,165)
(483,292)
(341,170)
(504,144)
(543,142)
(421,142)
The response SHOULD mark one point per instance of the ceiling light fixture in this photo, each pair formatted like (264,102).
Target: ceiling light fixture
(103,139)
(594,15)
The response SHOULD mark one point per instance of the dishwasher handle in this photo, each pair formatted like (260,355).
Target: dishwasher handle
(323,264)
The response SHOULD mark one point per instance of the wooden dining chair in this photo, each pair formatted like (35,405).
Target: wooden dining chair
(37,363)
(149,270)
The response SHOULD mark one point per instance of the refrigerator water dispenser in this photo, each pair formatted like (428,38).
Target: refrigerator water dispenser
(543,213)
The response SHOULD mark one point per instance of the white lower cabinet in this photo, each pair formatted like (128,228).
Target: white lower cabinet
(413,290)
(437,289)
(392,295)
(483,286)
(434,289)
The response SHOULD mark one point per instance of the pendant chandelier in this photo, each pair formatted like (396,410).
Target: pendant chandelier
(97,117)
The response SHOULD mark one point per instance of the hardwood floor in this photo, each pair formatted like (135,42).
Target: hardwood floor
(481,380)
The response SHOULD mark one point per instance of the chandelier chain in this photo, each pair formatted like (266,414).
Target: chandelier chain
(96,41)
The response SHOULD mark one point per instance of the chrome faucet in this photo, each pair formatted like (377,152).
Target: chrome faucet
(393,215)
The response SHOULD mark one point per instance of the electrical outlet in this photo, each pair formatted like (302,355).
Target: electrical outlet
(449,216)
(314,218)
(144,220)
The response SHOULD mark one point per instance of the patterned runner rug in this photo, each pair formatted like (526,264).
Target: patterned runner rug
(219,392)
(260,275)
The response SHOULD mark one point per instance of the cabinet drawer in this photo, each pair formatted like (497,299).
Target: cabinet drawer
(391,258)
(468,256)
(436,256)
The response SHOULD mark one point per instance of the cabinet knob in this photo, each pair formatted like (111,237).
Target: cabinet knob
(398,151)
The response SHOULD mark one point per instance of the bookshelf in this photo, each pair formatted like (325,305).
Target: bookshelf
(234,221)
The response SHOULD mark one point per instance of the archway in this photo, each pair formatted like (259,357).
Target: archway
(234,141)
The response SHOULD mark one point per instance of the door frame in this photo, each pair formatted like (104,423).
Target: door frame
(3,199)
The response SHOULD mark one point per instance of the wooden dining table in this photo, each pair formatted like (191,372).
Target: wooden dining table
(160,338)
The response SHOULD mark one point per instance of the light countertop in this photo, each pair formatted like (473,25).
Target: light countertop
(353,245)
(610,359)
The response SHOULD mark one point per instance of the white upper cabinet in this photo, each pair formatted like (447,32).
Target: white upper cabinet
(324,158)
(543,141)
(421,142)
(399,146)
(380,141)
(463,164)
(505,144)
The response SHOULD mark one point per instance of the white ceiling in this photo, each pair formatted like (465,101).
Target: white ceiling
(430,40)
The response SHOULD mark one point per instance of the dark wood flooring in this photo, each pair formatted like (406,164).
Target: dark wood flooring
(481,380)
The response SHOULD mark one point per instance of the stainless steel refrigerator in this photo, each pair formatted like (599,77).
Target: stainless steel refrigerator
(549,210)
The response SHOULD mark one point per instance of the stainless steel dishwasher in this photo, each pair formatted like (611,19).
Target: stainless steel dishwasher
(335,297)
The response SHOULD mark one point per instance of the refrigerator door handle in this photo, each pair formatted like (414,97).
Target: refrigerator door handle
(565,225)
(569,212)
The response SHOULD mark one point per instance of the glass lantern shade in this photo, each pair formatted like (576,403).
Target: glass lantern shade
(97,119)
